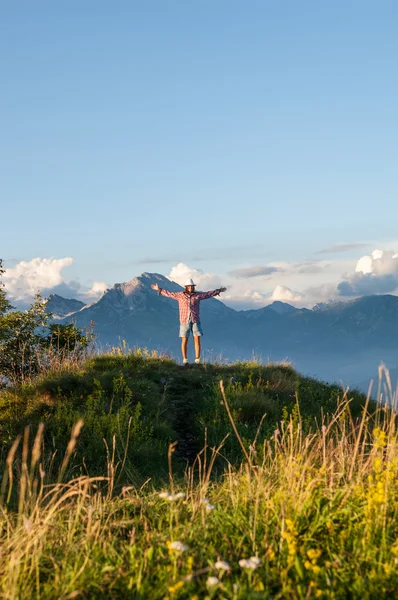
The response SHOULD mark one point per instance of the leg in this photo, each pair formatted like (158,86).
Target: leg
(197,346)
(184,347)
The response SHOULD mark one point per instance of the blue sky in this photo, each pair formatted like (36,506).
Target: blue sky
(228,135)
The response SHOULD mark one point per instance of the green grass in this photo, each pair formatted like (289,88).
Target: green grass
(141,404)
(310,489)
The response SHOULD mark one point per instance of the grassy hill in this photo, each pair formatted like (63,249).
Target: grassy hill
(279,486)
(146,403)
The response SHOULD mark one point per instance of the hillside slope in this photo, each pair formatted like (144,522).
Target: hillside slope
(146,403)
(297,504)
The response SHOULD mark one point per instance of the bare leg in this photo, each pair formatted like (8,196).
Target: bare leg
(197,346)
(184,347)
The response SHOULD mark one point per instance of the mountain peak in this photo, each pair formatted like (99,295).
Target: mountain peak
(62,307)
(143,283)
(148,278)
(281,307)
(136,294)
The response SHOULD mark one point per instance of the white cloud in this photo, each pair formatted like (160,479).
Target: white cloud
(302,283)
(204,281)
(256,296)
(320,293)
(240,294)
(376,273)
(380,262)
(24,280)
(364,265)
(27,277)
(285,294)
(299,283)
(96,291)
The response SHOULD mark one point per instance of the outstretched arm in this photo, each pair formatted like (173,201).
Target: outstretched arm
(166,293)
(205,295)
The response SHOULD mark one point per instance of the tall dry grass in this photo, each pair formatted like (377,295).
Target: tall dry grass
(303,516)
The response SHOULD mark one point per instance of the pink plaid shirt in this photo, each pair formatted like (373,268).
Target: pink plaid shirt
(189,303)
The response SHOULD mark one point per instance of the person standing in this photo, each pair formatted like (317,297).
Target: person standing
(189,302)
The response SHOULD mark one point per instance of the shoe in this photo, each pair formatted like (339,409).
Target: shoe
(197,360)
(185,361)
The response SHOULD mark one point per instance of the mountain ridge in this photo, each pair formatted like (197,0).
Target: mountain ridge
(342,340)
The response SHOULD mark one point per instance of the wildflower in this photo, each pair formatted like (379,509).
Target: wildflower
(171,497)
(212,581)
(314,554)
(209,507)
(177,546)
(222,565)
(394,548)
(270,554)
(174,588)
(290,535)
(250,563)
(380,438)
(312,566)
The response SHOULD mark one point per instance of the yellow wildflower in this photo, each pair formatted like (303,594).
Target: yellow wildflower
(314,554)
(394,548)
(174,588)
(379,438)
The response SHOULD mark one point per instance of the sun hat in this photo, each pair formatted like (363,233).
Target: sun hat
(189,282)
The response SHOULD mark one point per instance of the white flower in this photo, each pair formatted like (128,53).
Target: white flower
(222,565)
(171,497)
(209,507)
(250,563)
(178,546)
(212,581)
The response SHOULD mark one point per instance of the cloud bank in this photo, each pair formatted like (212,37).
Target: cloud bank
(45,275)
(303,283)
(376,273)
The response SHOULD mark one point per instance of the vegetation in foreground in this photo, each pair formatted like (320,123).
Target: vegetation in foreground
(299,503)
